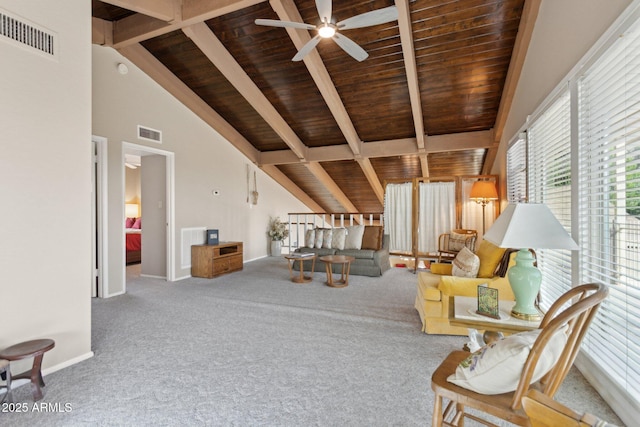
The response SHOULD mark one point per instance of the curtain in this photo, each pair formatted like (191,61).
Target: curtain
(398,206)
(437,213)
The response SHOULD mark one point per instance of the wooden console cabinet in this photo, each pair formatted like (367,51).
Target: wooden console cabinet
(213,260)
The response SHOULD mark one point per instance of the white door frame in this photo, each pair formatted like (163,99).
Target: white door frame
(170,208)
(99,235)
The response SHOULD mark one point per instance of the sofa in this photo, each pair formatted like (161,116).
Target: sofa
(436,287)
(367,244)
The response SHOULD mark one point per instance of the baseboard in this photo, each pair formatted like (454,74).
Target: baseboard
(151,276)
(67,363)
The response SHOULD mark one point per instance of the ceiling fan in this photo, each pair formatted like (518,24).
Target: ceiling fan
(328,29)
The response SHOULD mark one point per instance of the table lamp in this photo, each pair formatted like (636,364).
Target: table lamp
(523,226)
(482,192)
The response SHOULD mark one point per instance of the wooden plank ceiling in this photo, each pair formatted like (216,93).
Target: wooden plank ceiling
(430,100)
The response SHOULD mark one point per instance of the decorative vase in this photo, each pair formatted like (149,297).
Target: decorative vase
(276,247)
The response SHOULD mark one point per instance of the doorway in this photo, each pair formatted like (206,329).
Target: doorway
(156,210)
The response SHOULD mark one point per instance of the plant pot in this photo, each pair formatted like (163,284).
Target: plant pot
(276,247)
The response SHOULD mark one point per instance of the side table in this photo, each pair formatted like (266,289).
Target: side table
(25,350)
(291,259)
(346,261)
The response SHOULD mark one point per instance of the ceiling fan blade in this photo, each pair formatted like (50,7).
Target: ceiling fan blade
(324,10)
(375,17)
(284,24)
(351,47)
(308,47)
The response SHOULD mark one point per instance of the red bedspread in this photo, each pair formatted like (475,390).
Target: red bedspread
(134,241)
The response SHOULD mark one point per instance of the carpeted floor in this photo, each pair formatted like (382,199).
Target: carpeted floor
(254,349)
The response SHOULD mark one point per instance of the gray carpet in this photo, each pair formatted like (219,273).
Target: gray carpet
(254,349)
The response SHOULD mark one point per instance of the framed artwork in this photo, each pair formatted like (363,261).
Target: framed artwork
(488,302)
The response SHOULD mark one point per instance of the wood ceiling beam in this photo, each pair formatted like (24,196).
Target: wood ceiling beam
(137,28)
(321,175)
(290,186)
(389,148)
(141,57)
(164,10)
(213,49)
(367,168)
(408,52)
(521,45)
(101,32)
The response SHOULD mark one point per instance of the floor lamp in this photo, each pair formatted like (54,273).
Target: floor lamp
(482,193)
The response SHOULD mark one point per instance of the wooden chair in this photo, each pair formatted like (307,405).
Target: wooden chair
(546,412)
(575,309)
(449,247)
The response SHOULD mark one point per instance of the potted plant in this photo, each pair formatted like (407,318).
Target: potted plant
(277,232)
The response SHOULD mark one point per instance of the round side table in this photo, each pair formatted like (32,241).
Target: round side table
(25,350)
(346,261)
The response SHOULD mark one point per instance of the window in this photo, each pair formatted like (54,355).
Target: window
(517,170)
(549,177)
(609,119)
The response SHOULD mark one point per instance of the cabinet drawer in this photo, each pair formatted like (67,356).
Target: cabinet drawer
(235,262)
(221,265)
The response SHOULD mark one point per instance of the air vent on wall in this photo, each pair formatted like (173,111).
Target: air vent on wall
(20,32)
(149,134)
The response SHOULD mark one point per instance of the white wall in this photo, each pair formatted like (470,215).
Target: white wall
(204,161)
(564,32)
(45,185)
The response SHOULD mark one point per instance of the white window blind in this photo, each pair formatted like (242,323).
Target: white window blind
(609,159)
(549,182)
(517,171)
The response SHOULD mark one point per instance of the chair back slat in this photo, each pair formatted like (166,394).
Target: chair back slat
(577,317)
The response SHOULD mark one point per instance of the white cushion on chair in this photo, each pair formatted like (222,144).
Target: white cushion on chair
(496,367)
(457,241)
(465,264)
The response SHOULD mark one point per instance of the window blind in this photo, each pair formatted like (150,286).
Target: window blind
(549,182)
(517,171)
(609,200)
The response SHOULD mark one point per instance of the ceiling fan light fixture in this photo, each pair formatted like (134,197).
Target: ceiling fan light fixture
(326,31)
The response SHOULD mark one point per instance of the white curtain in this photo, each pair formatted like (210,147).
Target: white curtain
(398,206)
(437,213)
(472,211)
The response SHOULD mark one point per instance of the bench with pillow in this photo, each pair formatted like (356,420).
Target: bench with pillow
(366,243)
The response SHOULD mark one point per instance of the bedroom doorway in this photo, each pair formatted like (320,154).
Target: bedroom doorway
(155,207)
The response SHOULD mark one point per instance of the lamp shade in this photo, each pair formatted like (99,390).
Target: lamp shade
(483,190)
(529,225)
(131,210)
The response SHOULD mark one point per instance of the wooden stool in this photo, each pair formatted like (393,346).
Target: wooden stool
(5,370)
(25,350)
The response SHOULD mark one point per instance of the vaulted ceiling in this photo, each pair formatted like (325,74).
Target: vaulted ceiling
(429,101)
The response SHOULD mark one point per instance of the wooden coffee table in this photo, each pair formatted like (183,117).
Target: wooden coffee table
(291,259)
(346,261)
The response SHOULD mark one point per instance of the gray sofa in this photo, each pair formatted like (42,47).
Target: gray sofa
(368,261)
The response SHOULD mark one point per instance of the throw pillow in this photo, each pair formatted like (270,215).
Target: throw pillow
(496,367)
(465,264)
(490,255)
(137,224)
(339,238)
(457,241)
(310,238)
(372,237)
(319,237)
(354,237)
(327,236)
(129,222)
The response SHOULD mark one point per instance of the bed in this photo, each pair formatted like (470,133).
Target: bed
(133,244)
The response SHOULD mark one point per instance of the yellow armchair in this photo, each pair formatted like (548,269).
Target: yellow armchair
(435,290)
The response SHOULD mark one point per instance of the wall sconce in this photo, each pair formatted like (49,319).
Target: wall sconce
(482,193)
(131,210)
